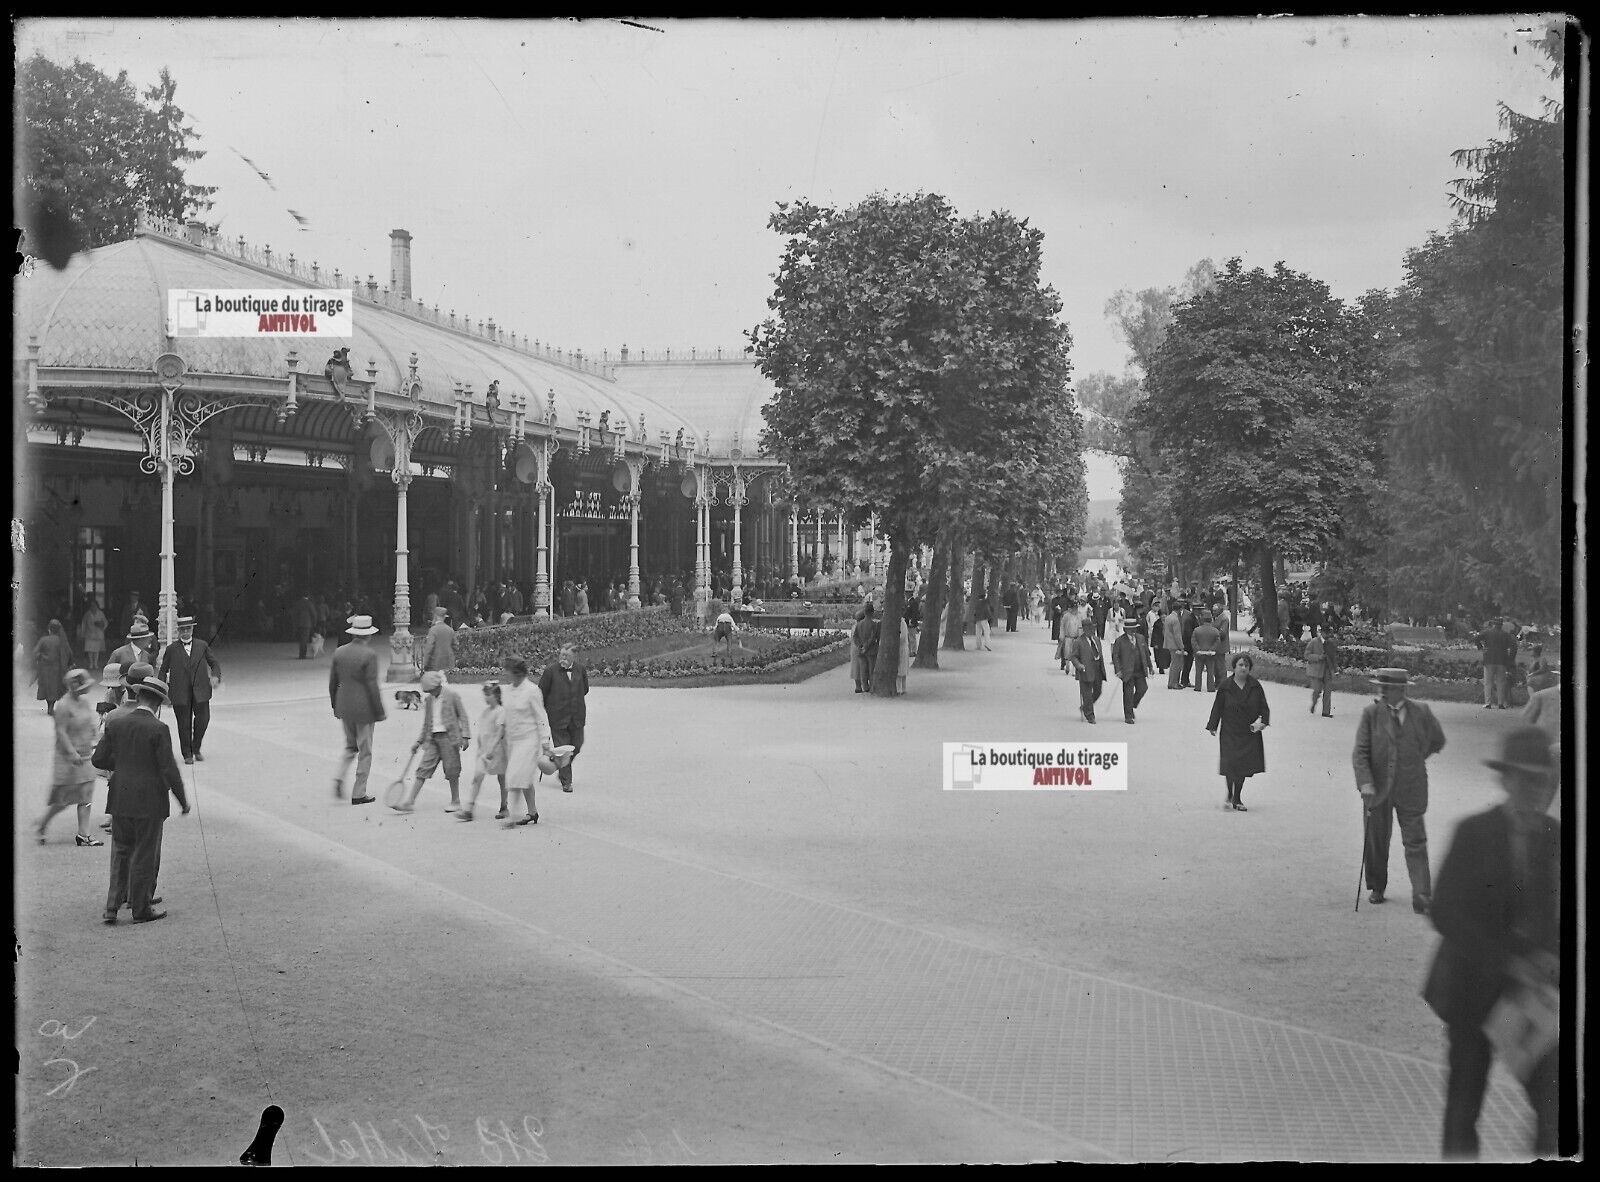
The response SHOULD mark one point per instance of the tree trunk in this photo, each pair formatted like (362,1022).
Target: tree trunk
(886,674)
(933,604)
(1233,597)
(1267,602)
(955,610)
(980,590)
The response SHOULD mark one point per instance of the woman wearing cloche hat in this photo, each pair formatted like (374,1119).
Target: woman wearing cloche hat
(72,776)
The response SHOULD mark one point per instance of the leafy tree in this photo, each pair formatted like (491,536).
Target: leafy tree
(1252,403)
(1476,379)
(93,153)
(916,357)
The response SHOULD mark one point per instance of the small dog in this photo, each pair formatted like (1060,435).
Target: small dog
(409,699)
(316,644)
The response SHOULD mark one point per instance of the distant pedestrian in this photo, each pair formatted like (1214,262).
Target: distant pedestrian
(581,599)
(1069,628)
(137,750)
(491,751)
(1499,654)
(71,774)
(52,660)
(1203,643)
(564,690)
(1089,667)
(527,737)
(92,634)
(439,646)
(864,649)
(1172,636)
(1322,662)
(303,619)
(983,621)
(724,630)
(1187,623)
(1241,713)
(1498,908)
(1394,740)
(1127,661)
(1012,601)
(357,704)
(903,670)
(192,674)
(445,734)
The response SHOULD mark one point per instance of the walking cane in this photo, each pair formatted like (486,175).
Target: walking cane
(1366,820)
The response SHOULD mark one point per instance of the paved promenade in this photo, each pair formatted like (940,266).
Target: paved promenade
(758,931)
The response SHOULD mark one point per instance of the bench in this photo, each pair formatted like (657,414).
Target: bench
(789,620)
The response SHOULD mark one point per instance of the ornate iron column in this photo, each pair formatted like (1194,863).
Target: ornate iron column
(794,539)
(635,478)
(168,423)
(702,542)
(402,429)
(543,488)
(736,498)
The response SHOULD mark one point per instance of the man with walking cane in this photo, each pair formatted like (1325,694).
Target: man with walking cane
(1393,742)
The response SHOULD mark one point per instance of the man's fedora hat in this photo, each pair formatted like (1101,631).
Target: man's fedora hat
(186,621)
(1129,623)
(361,626)
(1528,748)
(139,631)
(154,685)
(1391,677)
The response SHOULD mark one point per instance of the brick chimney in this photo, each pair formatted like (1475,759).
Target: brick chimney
(400,263)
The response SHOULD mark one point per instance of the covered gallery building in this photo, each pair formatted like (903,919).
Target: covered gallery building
(237,473)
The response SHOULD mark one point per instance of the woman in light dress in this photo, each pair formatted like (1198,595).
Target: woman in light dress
(527,732)
(72,776)
(491,751)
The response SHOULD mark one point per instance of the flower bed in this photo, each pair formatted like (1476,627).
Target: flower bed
(483,651)
(1446,664)
(782,652)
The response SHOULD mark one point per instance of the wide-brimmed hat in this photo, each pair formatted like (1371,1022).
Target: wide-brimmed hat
(154,685)
(78,679)
(361,626)
(185,622)
(139,631)
(1528,748)
(1391,677)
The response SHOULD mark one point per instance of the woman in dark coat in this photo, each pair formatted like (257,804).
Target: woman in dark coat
(1240,708)
(52,658)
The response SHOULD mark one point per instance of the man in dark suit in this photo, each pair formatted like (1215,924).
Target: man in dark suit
(1187,623)
(1127,661)
(1498,908)
(137,750)
(1089,666)
(357,704)
(1394,741)
(565,685)
(189,667)
(303,616)
(1011,601)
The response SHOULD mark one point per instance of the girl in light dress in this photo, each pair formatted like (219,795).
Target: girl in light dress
(491,750)
(72,778)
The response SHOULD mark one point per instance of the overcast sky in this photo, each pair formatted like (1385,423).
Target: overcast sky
(593,184)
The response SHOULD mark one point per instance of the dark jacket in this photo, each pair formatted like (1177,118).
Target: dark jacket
(1127,658)
(1393,760)
(353,685)
(565,701)
(1233,710)
(865,634)
(188,677)
(1088,657)
(1499,646)
(1476,905)
(137,750)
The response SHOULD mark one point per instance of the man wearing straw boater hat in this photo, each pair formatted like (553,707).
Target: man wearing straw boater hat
(357,704)
(1393,742)
(1498,908)
(191,671)
(137,750)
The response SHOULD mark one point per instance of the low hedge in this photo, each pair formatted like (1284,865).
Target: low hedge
(1447,664)
(483,651)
